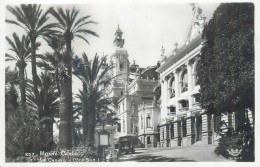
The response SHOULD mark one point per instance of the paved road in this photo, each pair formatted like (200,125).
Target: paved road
(174,154)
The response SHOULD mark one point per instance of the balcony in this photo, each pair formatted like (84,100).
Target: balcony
(196,105)
(184,110)
(171,115)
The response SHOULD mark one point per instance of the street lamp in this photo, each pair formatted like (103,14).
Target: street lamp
(103,141)
(103,116)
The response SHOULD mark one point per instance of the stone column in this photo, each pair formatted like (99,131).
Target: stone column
(164,100)
(188,128)
(167,135)
(204,128)
(230,125)
(176,88)
(190,86)
(193,130)
(175,135)
(175,127)
(179,133)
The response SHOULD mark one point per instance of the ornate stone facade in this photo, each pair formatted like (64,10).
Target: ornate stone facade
(183,122)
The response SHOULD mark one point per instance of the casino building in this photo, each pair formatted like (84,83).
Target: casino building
(183,122)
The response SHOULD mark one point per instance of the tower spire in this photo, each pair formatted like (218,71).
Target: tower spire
(119,41)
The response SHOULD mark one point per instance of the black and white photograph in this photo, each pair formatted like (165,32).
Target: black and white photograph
(103,82)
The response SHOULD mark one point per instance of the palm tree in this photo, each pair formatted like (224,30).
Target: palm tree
(94,78)
(51,61)
(49,96)
(70,27)
(33,20)
(21,50)
(22,54)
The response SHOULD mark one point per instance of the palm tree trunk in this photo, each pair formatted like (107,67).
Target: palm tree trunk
(91,122)
(84,115)
(65,131)
(35,87)
(23,102)
(64,113)
(34,70)
(22,85)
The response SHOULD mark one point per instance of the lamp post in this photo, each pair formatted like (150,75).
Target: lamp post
(103,115)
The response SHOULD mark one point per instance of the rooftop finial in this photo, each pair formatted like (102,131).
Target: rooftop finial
(176,44)
(175,49)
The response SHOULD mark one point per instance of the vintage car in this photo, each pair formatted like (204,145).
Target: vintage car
(126,144)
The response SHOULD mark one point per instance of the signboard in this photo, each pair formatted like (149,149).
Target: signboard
(104,140)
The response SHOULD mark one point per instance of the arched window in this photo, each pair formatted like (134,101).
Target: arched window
(171,88)
(148,121)
(184,81)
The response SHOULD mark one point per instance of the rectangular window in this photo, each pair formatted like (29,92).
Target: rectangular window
(184,104)
(124,126)
(148,122)
(172,109)
(121,67)
(197,98)
(119,127)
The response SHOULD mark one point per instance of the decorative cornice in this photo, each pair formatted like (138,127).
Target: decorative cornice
(180,54)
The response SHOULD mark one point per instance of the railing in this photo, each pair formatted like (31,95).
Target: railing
(145,105)
(195,105)
(171,114)
(184,109)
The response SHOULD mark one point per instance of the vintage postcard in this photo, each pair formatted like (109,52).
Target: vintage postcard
(102,82)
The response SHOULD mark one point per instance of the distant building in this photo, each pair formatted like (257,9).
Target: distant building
(132,91)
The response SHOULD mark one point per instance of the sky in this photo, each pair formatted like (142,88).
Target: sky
(146,28)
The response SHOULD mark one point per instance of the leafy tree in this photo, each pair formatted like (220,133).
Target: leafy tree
(93,75)
(70,27)
(226,67)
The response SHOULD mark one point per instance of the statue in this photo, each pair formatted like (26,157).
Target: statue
(198,22)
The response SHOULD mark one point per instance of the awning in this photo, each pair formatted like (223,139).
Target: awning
(183,98)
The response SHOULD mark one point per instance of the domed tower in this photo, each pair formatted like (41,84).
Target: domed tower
(118,41)
(120,62)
